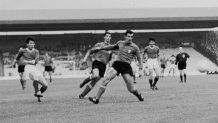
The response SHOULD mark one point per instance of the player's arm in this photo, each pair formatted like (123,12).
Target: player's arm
(86,56)
(111,47)
(145,53)
(19,55)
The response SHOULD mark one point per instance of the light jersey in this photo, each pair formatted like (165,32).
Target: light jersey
(28,55)
(47,61)
(172,60)
(127,52)
(163,60)
(153,52)
(103,55)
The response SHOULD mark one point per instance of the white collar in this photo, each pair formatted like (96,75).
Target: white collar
(151,47)
(30,50)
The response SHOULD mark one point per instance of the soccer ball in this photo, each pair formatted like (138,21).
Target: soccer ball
(203,66)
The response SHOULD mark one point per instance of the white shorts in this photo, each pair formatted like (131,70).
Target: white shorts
(152,64)
(34,70)
(172,66)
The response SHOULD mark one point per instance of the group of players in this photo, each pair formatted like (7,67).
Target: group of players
(126,51)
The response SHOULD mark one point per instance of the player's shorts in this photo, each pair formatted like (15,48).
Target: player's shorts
(123,68)
(181,65)
(153,64)
(163,66)
(21,68)
(48,68)
(32,69)
(172,66)
(100,66)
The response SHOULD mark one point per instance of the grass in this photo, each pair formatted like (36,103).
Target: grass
(193,102)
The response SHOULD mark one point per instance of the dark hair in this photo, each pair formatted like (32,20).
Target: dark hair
(151,39)
(30,38)
(106,33)
(129,32)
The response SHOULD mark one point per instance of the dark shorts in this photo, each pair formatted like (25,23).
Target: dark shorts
(122,67)
(48,68)
(181,65)
(21,68)
(100,66)
(163,66)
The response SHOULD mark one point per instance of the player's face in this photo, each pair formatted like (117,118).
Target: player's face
(31,44)
(107,38)
(151,43)
(129,37)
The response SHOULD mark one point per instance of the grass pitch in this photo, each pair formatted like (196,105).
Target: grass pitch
(193,102)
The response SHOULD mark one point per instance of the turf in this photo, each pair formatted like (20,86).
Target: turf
(193,102)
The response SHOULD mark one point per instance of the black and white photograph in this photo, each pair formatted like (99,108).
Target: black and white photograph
(108,61)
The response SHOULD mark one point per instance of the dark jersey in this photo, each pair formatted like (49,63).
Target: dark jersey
(152,52)
(102,56)
(127,52)
(28,55)
(48,61)
(181,57)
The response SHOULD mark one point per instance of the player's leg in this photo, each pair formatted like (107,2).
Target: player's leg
(42,81)
(130,86)
(89,87)
(150,74)
(94,75)
(162,70)
(93,78)
(181,76)
(150,65)
(22,76)
(50,75)
(180,68)
(38,78)
(156,78)
(98,73)
(111,74)
(184,71)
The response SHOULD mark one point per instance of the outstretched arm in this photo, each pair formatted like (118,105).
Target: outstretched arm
(86,56)
(111,47)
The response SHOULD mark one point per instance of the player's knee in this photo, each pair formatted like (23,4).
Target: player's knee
(131,89)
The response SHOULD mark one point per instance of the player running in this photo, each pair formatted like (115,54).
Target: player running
(152,52)
(48,63)
(163,64)
(98,66)
(20,68)
(30,57)
(172,61)
(181,59)
(127,50)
